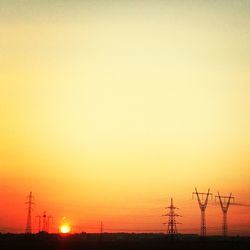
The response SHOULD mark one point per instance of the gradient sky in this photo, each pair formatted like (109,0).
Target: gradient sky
(110,108)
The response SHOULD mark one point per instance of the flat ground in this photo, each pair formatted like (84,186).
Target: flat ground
(118,242)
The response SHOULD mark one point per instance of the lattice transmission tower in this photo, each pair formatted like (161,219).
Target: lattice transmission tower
(225,202)
(44,222)
(39,223)
(30,203)
(203,205)
(49,222)
(101,231)
(172,223)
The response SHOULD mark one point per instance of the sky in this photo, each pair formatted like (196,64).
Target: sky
(110,108)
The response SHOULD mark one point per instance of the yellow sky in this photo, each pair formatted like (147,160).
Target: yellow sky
(108,110)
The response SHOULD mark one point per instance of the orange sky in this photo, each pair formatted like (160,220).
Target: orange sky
(109,110)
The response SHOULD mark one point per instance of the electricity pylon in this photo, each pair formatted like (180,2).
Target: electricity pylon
(39,223)
(225,202)
(49,218)
(44,227)
(203,205)
(45,219)
(30,203)
(172,224)
(101,231)
(101,228)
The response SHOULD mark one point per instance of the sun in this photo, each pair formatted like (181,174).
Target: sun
(64,229)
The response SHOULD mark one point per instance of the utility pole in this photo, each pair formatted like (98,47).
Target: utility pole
(172,228)
(203,205)
(225,202)
(30,203)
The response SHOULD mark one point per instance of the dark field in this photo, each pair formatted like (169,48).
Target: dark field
(118,241)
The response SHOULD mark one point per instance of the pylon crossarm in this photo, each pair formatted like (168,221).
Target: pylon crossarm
(224,197)
(201,193)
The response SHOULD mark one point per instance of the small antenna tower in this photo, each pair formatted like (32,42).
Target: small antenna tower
(29,203)
(172,224)
(225,202)
(203,205)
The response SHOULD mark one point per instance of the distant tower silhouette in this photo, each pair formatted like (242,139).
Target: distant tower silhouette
(30,203)
(44,216)
(101,231)
(45,222)
(101,228)
(49,218)
(225,202)
(39,223)
(203,206)
(172,224)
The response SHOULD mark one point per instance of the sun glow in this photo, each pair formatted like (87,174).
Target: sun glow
(64,229)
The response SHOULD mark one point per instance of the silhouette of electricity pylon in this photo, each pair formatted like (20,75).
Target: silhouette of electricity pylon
(39,222)
(203,205)
(101,228)
(30,203)
(172,224)
(44,222)
(44,227)
(101,231)
(49,218)
(225,202)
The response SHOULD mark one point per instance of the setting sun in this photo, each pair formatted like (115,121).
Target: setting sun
(65,229)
